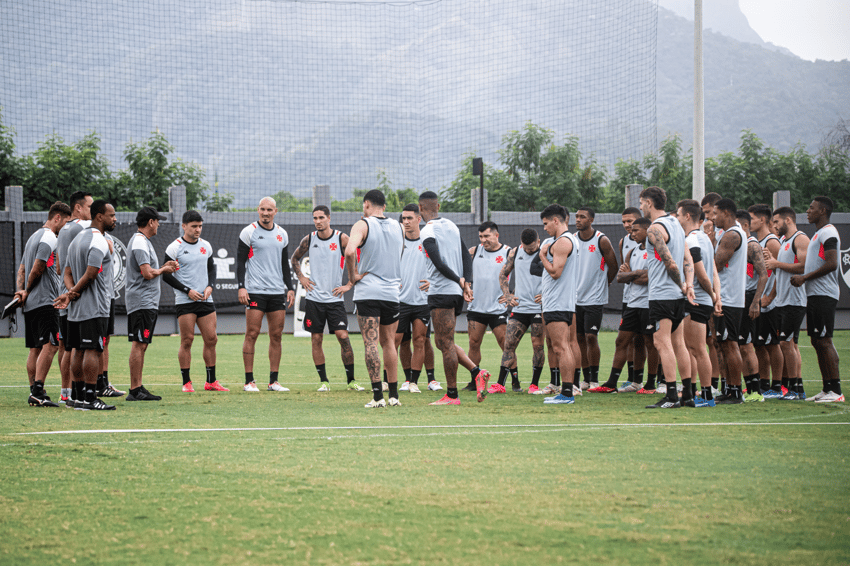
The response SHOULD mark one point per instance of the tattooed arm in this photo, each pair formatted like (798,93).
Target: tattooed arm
(755,256)
(302,250)
(688,268)
(729,244)
(20,282)
(506,297)
(610,258)
(358,235)
(655,236)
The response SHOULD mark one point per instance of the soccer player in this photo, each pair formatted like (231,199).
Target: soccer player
(790,300)
(37,288)
(766,335)
(142,296)
(713,233)
(525,314)
(627,244)
(756,279)
(449,269)
(485,310)
(821,279)
(90,288)
(414,315)
(265,287)
(597,267)
(730,258)
(670,273)
(193,284)
(376,283)
(80,203)
(707,296)
(325,303)
(558,289)
(635,321)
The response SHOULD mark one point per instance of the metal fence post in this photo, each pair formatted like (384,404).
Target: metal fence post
(633,195)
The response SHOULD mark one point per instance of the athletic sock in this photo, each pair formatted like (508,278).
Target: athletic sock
(184,372)
(91,396)
(724,386)
(660,372)
(764,384)
(566,389)
(503,375)
(272,377)
(637,377)
(65,392)
(407,374)
(594,374)
(836,386)
(474,373)
(323,374)
(650,382)
(451,392)
(430,374)
(377,391)
(798,385)
(385,377)
(672,392)
(786,382)
(630,368)
(706,394)
(776,385)
(687,392)
(106,378)
(515,376)
(100,386)
(394,389)
(553,376)
(587,374)
(576,377)
(249,377)
(535,375)
(613,378)
(349,372)
(210,374)
(752,382)
(715,381)
(414,375)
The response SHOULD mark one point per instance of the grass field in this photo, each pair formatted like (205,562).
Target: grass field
(314,478)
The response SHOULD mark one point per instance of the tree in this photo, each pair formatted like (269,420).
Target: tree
(56,169)
(150,174)
(10,167)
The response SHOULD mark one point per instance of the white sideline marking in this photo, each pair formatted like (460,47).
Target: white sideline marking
(419,427)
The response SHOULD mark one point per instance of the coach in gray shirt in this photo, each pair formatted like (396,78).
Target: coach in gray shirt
(142,297)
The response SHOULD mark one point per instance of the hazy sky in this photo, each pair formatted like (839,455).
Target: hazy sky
(811,29)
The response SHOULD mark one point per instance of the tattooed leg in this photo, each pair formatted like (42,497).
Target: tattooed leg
(476,336)
(514,332)
(444,330)
(369,330)
(345,347)
(420,330)
(537,339)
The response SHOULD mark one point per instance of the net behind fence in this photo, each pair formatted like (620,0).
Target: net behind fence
(280,95)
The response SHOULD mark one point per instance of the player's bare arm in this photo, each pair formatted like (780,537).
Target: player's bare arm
(755,256)
(74,291)
(355,240)
(718,303)
(610,257)
(624,273)
(655,236)
(300,252)
(830,264)
(728,244)
(688,269)
(702,278)
(507,298)
(561,250)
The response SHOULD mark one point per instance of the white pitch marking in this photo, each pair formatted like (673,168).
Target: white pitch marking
(416,427)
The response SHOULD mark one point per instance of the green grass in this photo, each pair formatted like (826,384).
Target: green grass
(414,484)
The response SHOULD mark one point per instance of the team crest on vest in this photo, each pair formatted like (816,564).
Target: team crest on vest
(844,264)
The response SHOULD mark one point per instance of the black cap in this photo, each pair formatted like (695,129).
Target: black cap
(148,213)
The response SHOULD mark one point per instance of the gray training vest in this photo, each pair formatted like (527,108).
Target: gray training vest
(413,271)
(380,259)
(559,295)
(787,294)
(661,286)
(486,291)
(629,244)
(327,261)
(733,276)
(639,294)
(698,239)
(816,257)
(527,285)
(771,275)
(592,283)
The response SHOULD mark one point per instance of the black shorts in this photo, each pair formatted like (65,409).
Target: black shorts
(767,328)
(491,320)
(558,316)
(316,315)
(672,309)
(636,320)
(267,303)
(407,314)
(790,320)
(699,313)
(747,329)
(446,302)
(140,325)
(588,319)
(820,316)
(110,326)
(527,318)
(726,327)
(63,331)
(88,334)
(386,311)
(42,326)
(198,308)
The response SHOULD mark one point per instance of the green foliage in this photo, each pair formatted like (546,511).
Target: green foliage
(396,198)
(56,169)
(150,174)
(10,167)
